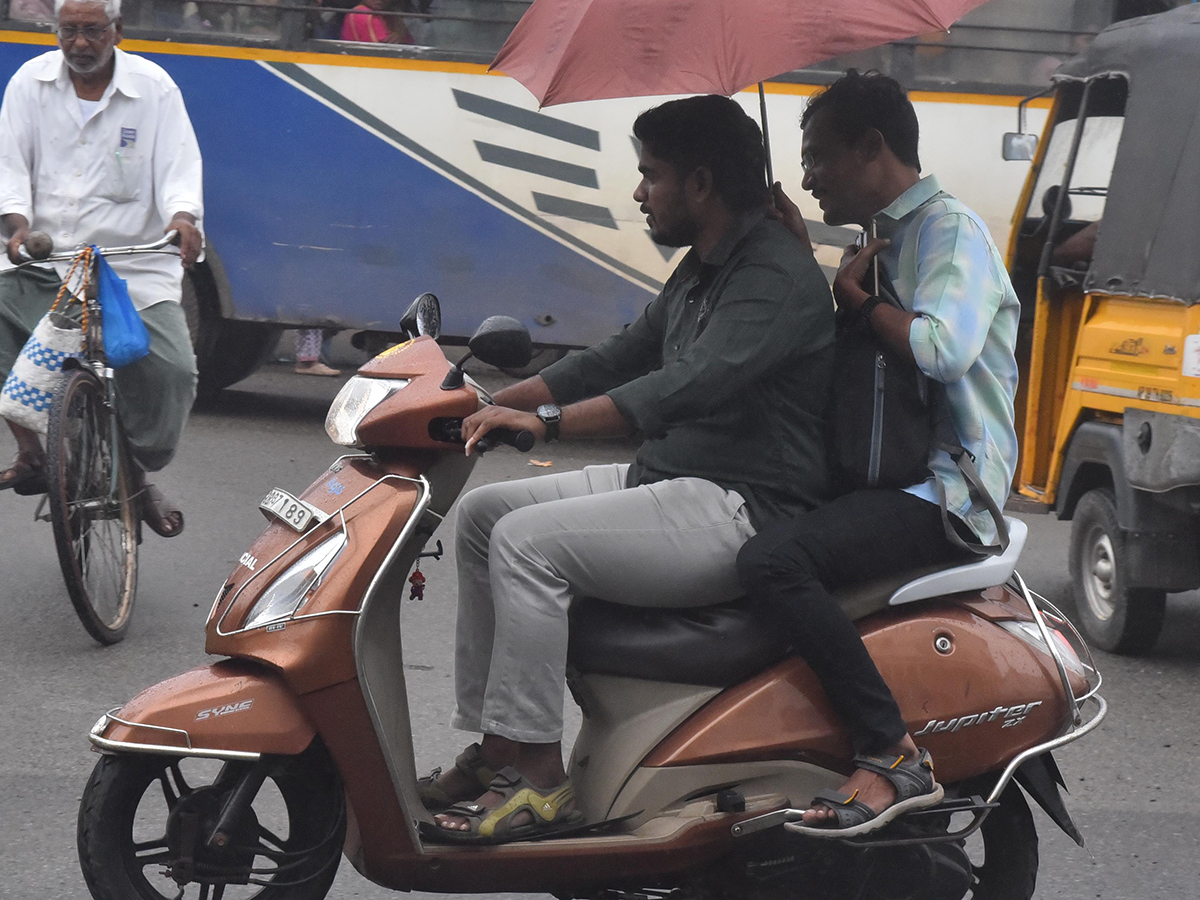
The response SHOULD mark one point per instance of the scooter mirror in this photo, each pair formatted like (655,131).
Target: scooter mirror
(1018,146)
(503,342)
(423,317)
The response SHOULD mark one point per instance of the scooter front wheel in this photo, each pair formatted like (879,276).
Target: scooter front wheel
(146,823)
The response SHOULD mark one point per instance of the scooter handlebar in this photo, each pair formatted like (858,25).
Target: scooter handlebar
(450,431)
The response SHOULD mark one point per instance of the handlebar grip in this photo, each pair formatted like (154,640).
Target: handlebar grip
(522,440)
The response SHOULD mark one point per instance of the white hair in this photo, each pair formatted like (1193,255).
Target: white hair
(112,8)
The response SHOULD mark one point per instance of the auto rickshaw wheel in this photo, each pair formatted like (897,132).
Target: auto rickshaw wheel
(1114,616)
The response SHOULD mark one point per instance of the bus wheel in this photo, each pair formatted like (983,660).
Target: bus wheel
(226,350)
(1115,617)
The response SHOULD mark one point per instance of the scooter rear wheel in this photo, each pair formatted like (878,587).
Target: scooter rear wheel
(136,806)
(1010,851)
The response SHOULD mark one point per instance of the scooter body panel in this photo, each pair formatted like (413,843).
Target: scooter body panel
(974,704)
(226,708)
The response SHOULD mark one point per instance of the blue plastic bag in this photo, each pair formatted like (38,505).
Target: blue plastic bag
(125,337)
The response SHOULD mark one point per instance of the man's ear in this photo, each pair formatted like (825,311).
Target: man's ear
(118,31)
(871,145)
(700,184)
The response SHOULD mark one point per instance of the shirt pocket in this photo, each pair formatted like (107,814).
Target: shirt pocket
(122,175)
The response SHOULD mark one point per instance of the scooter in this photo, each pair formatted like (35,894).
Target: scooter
(700,737)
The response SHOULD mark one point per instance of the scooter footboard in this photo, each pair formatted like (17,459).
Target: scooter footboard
(227,710)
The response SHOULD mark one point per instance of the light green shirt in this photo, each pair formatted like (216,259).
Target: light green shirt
(947,270)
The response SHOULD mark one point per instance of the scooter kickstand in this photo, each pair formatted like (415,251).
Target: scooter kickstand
(769,820)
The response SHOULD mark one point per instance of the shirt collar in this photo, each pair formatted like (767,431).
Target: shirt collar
(917,195)
(734,235)
(55,69)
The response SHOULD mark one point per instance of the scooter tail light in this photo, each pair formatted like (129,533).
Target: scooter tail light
(354,401)
(287,593)
(1031,634)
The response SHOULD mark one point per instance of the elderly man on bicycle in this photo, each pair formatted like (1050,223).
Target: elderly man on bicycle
(96,148)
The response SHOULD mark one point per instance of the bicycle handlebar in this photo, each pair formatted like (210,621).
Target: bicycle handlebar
(157,246)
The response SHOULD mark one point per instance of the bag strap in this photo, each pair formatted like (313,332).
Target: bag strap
(979,495)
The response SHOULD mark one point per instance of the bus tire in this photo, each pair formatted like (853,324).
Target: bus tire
(1114,617)
(227,350)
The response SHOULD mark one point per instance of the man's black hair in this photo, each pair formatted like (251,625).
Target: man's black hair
(858,101)
(714,133)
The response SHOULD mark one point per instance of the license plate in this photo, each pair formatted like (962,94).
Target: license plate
(294,513)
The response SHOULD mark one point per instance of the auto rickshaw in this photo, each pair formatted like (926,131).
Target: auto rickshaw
(1110,346)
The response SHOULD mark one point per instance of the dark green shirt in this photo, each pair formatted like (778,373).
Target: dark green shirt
(726,373)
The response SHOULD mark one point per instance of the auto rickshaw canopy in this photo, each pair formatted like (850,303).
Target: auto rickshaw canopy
(1149,240)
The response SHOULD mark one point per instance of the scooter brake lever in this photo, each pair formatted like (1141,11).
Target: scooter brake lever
(770,820)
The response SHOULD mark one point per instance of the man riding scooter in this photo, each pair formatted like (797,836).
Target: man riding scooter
(726,373)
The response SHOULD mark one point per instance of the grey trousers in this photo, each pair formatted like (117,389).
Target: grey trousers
(154,394)
(525,548)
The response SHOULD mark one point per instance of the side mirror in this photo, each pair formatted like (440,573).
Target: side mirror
(501,341)
(1018,146)
(423,317)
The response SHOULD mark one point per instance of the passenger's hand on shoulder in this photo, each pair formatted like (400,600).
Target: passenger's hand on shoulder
(189,241)
(480,423)
(788,213)
(848,289)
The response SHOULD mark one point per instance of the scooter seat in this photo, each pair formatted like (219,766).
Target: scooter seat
(714,646)
(719,646)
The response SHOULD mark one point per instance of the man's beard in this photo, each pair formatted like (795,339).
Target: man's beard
(88,65)
(679,234)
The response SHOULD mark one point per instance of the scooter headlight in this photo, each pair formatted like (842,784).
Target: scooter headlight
(357,397)
(290,590)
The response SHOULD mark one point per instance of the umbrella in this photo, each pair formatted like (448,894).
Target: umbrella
(569,50)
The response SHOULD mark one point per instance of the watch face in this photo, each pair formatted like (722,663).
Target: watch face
(548,412)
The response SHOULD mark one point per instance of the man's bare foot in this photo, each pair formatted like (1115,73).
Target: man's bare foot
(866,787)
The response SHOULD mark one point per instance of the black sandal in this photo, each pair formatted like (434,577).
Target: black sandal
(163,517)
(915,787)
(26,476)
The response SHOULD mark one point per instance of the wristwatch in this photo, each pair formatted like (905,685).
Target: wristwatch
(867,307)
(551,416)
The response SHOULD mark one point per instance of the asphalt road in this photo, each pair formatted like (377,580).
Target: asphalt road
(1134,790)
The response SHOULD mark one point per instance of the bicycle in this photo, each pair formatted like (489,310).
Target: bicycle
(93,485)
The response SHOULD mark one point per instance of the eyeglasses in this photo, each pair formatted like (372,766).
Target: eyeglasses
(93,33)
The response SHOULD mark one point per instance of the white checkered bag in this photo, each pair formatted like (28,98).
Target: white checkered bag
(25,397)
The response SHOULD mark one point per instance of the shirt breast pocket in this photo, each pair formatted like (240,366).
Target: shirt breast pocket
(123,175)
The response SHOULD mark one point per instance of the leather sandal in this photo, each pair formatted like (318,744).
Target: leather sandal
(915,787)
(478,774)
(163,517)
(26,476)
(494,825)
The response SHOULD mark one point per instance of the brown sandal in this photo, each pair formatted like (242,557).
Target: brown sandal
(163,517)
(470,763)
(26,476)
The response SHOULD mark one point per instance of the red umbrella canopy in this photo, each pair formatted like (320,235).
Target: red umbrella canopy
(568,50)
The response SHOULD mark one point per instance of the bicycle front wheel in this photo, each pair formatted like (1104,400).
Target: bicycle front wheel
(91,506)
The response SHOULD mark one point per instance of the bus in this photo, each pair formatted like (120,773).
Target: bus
(342,179)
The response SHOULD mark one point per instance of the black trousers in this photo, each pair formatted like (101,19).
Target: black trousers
(790,567)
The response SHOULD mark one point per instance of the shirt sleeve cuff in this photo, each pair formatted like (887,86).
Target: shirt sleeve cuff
(565,380)
(640,407)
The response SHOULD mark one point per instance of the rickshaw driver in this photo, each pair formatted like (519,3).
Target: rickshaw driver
(726,373)
(96,147)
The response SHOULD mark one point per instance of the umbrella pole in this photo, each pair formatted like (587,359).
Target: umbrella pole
(762,112)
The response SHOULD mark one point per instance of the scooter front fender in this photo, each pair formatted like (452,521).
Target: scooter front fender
(227,710)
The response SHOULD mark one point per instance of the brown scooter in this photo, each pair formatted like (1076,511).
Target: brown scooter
(700,734)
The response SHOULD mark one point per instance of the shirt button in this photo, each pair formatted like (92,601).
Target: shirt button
(78,174)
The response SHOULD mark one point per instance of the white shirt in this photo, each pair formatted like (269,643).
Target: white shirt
(114,180)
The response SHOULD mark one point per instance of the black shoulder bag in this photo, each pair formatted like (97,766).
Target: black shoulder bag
(882,422)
